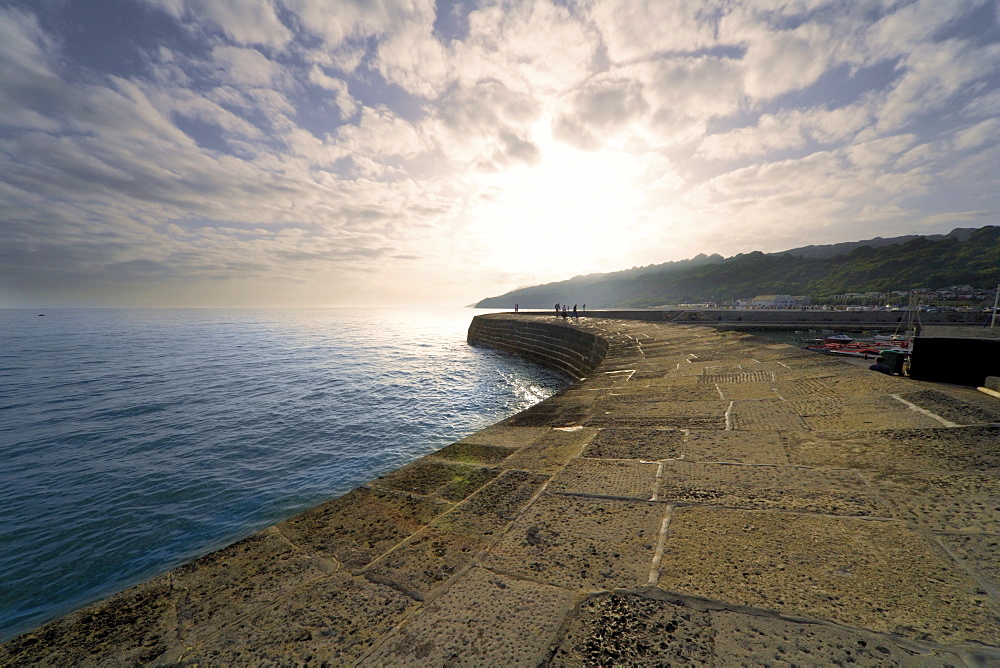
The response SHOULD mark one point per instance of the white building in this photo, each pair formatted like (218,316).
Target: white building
(779,301)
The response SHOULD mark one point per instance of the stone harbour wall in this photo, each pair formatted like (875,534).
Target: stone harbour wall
(701,498)
(556,345)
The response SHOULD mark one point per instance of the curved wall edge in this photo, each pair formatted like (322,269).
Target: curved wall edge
(558,346)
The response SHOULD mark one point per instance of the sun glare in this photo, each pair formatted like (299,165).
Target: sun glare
(569,214)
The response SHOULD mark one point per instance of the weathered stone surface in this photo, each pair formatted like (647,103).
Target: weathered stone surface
(614,479)
(944,502)
(748,447)
(507,437)
(764,415)
(759,640)
(581,543)
(356,528)
(220,588)
(625,629)
(447,480)
(550,452)
(136,626)
(694,498)
(485,619)
(932,449)
(830,492)
(952,409)
(648,444)
(877,575)
(433,555)
(472,453)
(335,620)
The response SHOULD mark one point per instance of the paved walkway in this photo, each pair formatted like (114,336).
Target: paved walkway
(701,498)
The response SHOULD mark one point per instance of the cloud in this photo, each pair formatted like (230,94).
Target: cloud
(641,29)
(347,104)
(788,129)
(601,108)
(250,22)
(246,67)
(294,145)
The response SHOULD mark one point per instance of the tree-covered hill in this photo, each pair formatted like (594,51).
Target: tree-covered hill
(962,258)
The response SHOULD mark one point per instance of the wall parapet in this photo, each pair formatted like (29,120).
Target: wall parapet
(558,346)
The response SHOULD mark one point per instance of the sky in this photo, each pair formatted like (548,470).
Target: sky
(216,153)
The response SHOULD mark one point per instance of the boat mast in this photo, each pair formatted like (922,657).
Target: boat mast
(996,299)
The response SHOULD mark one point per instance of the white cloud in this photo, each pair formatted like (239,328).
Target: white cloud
(980,134)
(787,129)
(247,67)
(243,21)
(934,74)
(535,47)
(601,104)
(347,104)
(641,29)
(600,109)
(356,18)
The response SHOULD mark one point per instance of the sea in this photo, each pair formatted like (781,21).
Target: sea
(132,441)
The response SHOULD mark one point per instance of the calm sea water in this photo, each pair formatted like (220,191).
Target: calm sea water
(132,441)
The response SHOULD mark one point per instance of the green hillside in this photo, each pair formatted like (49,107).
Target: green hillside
(966,259)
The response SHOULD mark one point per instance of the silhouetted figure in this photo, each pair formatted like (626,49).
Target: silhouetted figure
(575,314)
(557,309)
(515,308)
(881,366)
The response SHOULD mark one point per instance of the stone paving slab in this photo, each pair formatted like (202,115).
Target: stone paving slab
(652,407)
(556,412)
(356,528)
(761,640)
(336,620)
(581,543)
(648,444)
(878,575)
(219,588)
(550,452)
(448,480)
(951,409)
(853,382)
(943,502)
(799,389)
(830,492)
(486,619)
(756,390)
(933,449)
(134,627)
(980,552)
(616,421)
(506,437)
(625,628)
(672,392)
(895,418)
(609,478)
(612,629)
(822,407)
(765,415)
(748,447)
(433,555)
(473,453)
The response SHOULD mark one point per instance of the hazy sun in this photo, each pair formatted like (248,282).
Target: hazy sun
(569,214)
